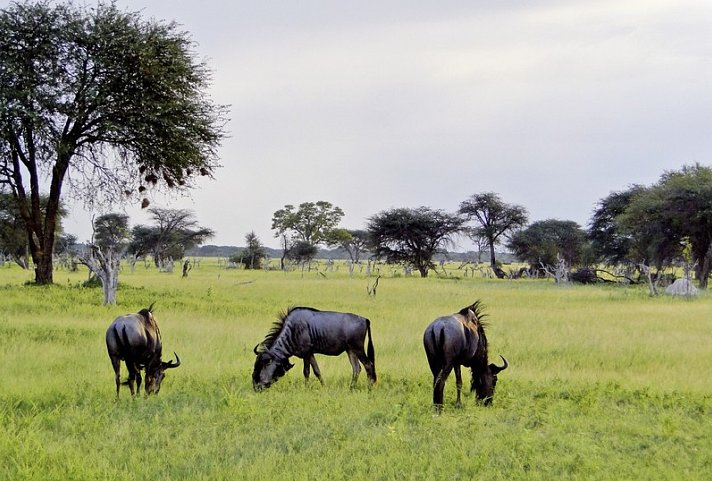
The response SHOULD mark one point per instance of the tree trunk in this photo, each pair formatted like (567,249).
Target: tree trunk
(43,268)
(106,267)
(110,286)
(652,284)
(703,273)
(40,248)
(702,266)
(493,261)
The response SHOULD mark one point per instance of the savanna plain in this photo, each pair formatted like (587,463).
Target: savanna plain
(604,382)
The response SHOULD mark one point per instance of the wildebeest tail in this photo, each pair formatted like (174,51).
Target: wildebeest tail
(121,338)
(369,349)
(126,345)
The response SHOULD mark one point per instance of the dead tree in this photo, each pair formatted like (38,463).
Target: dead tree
(652,280)
(559,272)
(105,266)
(372,289)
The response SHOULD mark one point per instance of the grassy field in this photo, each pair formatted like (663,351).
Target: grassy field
(604,383)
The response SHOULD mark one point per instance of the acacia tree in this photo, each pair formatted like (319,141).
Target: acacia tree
(609,241)
(118,101)
(253,253)
(687,195)
(495,219)
(412,236)
(302,252)
(545,243)
(676,211)
(311,223)
(354,242)
(176,231)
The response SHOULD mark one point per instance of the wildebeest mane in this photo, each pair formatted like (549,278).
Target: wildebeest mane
(478,309)
(277,327)
(480,361)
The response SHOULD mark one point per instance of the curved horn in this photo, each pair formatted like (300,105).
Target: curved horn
(255,350)
(170,364)
(495,369)
(150,308)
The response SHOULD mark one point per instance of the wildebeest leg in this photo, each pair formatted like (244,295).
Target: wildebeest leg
(138,381)
(439,386)
(116,364)
(315,368)
(369,366)
(306,370)
(458,381)
(353,358)
(131,367)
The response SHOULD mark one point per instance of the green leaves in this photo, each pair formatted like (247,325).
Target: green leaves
(118,101)
(412,236)
(653,224)
(312,222)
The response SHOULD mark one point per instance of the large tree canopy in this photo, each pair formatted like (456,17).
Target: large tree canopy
(609,242)
(544,242)
(311,222)
(111,231)
(676,210)
(688,195)
(253,254)
(653,225)
(495,219)
(354,242)
(102,100)
(412,236)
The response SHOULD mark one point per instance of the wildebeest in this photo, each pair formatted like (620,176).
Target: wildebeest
(305,331)
(459,339)
(136,339)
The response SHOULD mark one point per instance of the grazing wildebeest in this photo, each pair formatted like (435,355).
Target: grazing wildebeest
(303,332)
(459,339)
(136,339)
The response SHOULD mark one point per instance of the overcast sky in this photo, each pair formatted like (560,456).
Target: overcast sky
(375,105)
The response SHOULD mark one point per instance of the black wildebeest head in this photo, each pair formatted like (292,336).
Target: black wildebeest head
(156,373)
(267,370)
(484,381)
(267,367)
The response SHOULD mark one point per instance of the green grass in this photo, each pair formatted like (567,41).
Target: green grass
(604,383)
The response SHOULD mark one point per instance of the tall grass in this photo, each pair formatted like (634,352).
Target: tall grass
(604,383)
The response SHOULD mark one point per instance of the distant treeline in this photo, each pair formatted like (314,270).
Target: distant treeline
(339,254)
